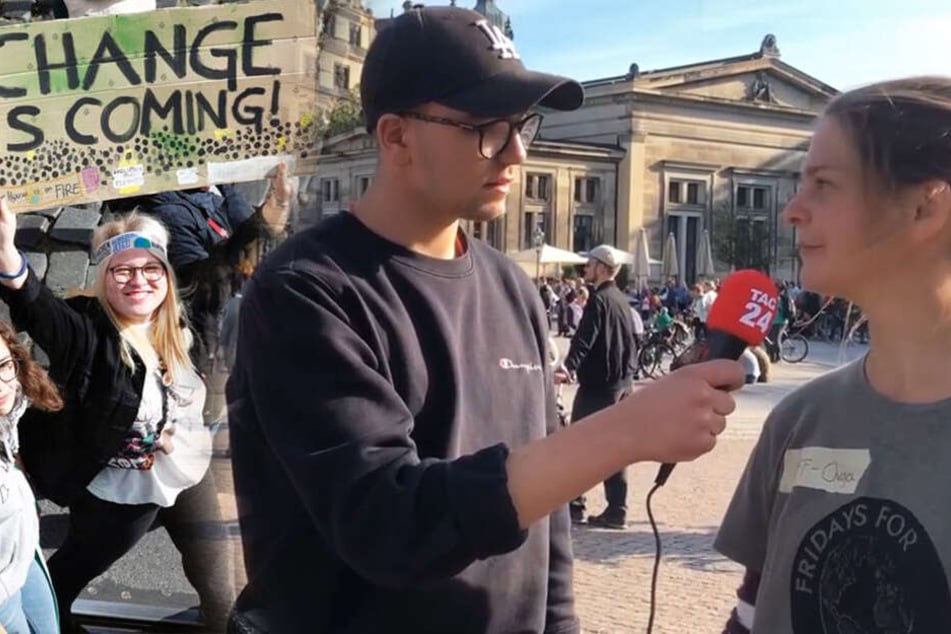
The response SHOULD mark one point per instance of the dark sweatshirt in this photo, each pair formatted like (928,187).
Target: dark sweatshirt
(375,398)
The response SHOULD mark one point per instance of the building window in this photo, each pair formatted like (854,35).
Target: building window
(341,76)
(330,190)
(752,198)
(583,234)
(493,233)
(363,184)
(752,249)
(587,190)
(693,194)
(535,220)
(356,35)
(330,24)
(685,192)
(538,187)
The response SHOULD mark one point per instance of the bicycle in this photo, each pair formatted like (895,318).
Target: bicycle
(656,354)
(793,347)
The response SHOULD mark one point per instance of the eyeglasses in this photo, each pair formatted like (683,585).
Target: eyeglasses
(9,370)
(495,135)
(151,272)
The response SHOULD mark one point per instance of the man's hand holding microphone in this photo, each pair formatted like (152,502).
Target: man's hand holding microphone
(674,419)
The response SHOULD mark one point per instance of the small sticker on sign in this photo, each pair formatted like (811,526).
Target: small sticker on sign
(128,179)
(188,176)
(90,177)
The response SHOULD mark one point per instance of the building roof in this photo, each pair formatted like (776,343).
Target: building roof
(768,56)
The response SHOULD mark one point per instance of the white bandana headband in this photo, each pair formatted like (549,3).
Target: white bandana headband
(126,241)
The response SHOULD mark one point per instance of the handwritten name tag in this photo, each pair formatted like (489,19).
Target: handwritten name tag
(824,468)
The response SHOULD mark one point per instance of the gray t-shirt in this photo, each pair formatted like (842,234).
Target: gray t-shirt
(845,510)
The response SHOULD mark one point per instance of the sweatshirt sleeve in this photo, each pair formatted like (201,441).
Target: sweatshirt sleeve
(341,433)
(63,333)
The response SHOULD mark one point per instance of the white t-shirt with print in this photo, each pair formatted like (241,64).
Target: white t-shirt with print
(142,473)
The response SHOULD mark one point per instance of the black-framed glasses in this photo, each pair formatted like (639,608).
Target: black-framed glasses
(9,370)
(495,135)
(123,274)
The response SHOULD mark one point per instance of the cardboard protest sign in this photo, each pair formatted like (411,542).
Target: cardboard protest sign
(105,107)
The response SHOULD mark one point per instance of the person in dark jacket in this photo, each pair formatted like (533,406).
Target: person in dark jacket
(398,462)
(129,447)
(601,360)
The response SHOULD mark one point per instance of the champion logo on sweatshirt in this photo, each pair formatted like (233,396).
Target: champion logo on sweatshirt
(508,364)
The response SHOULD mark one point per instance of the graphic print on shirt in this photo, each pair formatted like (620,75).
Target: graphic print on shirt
(869,568)
(142,440)
(138,452)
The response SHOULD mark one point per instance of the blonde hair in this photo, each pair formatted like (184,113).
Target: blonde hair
(169,339)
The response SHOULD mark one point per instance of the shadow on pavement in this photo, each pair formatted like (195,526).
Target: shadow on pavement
(690,549)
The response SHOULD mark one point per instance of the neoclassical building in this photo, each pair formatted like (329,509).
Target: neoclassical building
(714,145)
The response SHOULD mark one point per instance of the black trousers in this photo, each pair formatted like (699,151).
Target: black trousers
(589,400)
(774,350)
(101,532)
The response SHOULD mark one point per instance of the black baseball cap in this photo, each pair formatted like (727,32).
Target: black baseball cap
(457,58)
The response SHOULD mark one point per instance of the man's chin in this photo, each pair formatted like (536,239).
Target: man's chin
(485,213)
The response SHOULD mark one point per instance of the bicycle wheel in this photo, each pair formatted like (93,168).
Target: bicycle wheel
(654,359)
(794,348)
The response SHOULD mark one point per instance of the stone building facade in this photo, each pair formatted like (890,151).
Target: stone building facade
(709,146)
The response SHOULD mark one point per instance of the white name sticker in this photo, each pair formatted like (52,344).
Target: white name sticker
(824,468)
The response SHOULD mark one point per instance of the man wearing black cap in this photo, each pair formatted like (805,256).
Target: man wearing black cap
(392,413)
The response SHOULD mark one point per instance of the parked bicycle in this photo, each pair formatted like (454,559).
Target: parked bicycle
(656,353)
(793,346)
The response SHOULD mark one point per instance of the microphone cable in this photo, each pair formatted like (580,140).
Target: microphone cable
(657,553)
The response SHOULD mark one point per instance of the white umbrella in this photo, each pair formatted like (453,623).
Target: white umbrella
(705,267)
(547,254)
(670,265)
(641,270)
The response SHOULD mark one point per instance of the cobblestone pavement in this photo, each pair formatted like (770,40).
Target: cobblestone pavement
(695,585)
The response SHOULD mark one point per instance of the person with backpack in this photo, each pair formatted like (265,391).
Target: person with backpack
(27,604)
(129,447)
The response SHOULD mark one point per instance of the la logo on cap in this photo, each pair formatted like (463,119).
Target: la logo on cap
(500,42)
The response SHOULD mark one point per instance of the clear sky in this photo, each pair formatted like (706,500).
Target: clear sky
(844,43)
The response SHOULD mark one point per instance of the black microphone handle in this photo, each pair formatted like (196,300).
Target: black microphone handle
(720,345)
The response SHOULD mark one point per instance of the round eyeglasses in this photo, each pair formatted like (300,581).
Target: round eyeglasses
(151,272)
(495,135)
(9,370)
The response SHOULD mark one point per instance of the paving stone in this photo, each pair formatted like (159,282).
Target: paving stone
(39,262)
(91,275)
(52,213)
(67,270)
(76,225)
(31,230)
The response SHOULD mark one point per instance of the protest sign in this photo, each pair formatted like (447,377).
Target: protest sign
(106,107)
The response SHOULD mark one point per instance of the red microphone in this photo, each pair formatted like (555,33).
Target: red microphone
(740,317)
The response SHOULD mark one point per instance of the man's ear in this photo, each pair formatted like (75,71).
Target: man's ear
(391,138)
